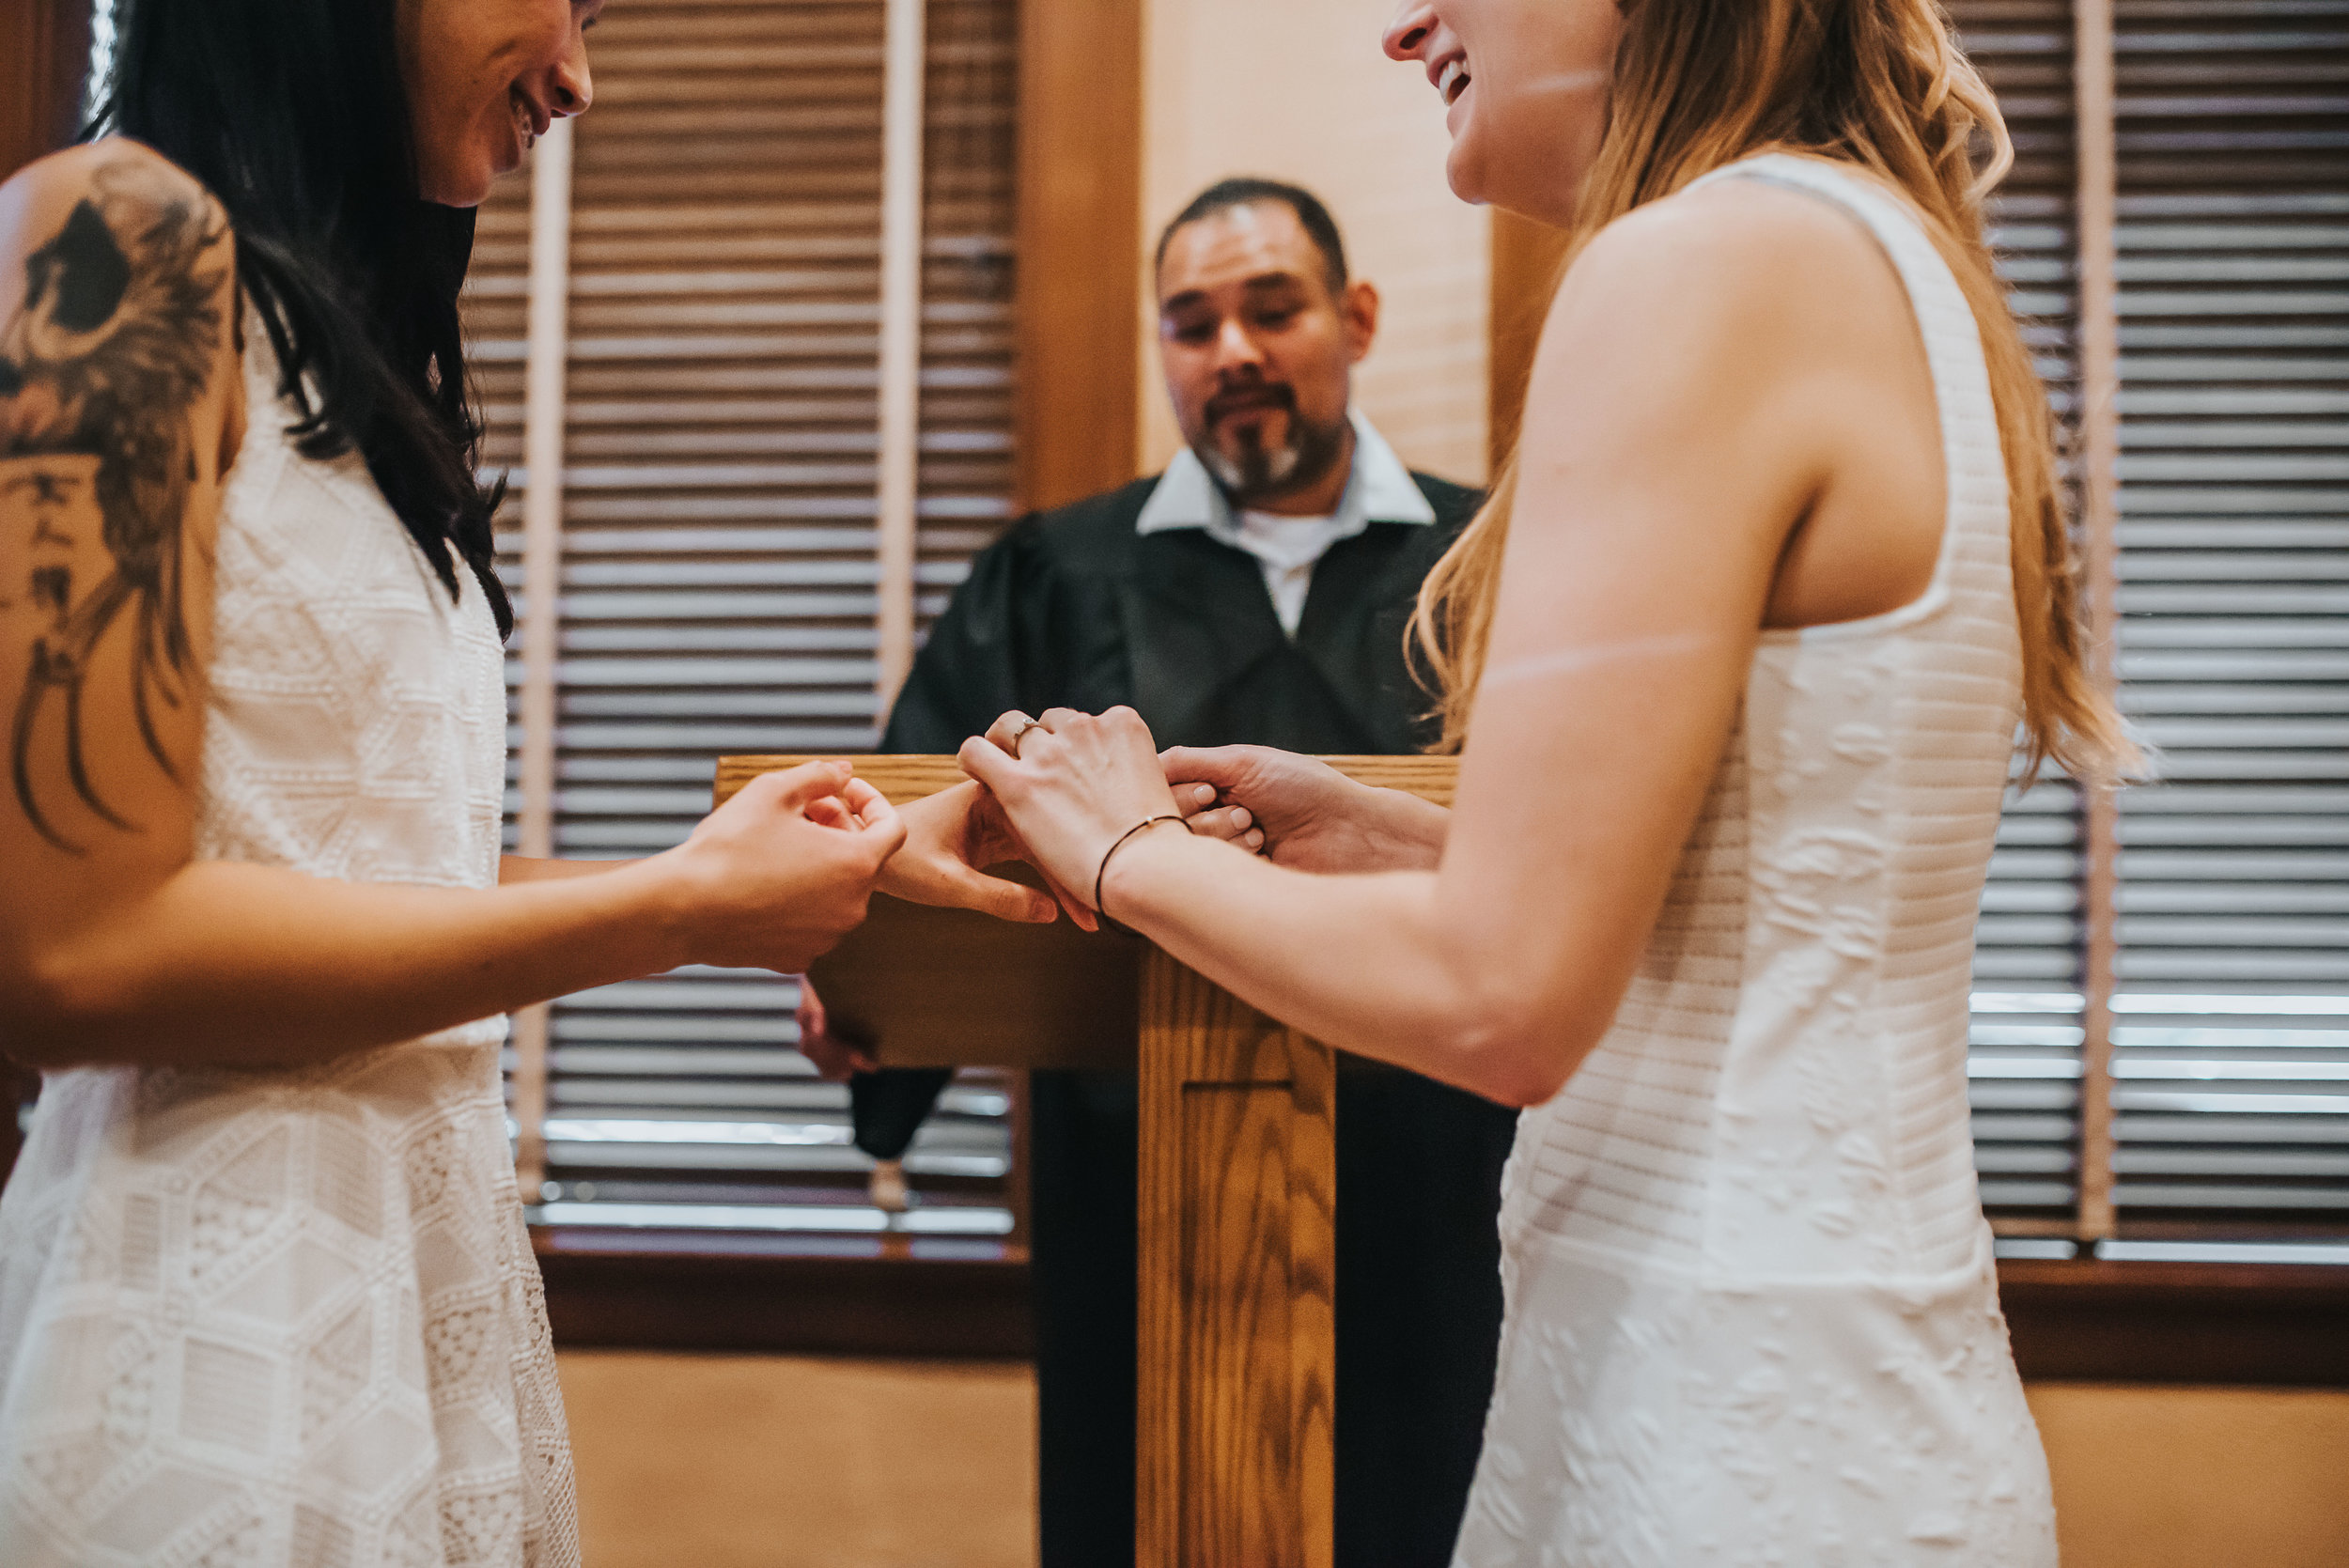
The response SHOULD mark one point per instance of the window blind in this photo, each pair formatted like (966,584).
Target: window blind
(718,579)
(2228,1097)
(2025,1065)
(719,584)
(2231,1068)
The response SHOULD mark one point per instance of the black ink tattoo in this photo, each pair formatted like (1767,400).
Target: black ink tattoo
(52,589)
(101,369)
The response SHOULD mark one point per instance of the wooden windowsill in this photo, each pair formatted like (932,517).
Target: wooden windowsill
(2279,1325)
(814,1295)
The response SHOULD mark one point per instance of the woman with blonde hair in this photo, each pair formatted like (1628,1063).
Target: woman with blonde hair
(1736,661)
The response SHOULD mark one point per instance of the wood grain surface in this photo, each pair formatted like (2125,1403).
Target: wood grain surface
(927,987)
(909,778)
(44,56)
(1238,1239)
(900,778)
(1080,272)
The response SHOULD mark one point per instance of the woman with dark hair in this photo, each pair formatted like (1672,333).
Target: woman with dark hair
(265,1291)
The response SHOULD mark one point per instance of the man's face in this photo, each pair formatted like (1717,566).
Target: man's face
(1258,351)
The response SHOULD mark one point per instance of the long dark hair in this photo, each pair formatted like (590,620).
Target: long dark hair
(293,114)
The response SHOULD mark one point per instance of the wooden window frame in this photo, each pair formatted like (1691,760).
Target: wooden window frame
(44,61)
(920,53)
(2076,1319)
(1081,286)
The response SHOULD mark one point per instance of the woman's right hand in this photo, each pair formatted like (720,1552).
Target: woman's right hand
(1301,813)
(778,874)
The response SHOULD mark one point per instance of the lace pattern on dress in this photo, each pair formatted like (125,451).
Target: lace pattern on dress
(293,1318)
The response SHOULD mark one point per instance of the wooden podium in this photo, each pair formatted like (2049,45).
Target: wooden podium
(1238,1240)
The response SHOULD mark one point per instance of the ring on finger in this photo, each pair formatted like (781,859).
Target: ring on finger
(1011,741)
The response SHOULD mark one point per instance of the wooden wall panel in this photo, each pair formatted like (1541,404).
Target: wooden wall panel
(1080,247)
(44,55)
(1303,92)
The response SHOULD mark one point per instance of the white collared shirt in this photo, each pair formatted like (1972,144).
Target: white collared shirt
(1377,490)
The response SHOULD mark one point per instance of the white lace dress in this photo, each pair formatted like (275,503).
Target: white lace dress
(293,1318)
(1753,1317)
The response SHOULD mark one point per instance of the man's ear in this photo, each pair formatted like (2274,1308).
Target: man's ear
(1358,308)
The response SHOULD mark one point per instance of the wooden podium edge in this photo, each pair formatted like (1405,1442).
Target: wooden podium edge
(912,777)
(1237,1287)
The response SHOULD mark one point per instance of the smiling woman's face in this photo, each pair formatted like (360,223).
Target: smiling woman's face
(1526,83)
(485,79)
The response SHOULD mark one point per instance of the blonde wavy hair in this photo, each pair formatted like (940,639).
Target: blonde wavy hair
(1881,84)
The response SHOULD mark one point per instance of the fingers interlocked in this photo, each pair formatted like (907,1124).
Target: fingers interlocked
(1074,790)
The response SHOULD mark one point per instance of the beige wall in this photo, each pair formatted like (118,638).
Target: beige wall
(1299,90)
(774,1462)
(2197,1477)
(780,1462)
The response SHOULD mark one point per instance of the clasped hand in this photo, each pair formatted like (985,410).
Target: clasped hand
(780,872)
(1072,785)
(1057,792)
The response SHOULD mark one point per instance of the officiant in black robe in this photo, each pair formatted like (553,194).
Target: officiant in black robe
(1257,591)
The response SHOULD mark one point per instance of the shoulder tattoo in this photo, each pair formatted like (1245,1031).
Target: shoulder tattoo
(102,364)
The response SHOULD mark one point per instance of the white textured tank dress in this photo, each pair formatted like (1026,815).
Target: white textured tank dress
(1752,1317)
(291,1319)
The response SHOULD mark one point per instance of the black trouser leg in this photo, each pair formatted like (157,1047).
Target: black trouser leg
(1084,1142)
(1419,1311)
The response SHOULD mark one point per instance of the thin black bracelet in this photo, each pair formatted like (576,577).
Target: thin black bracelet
(1146,822)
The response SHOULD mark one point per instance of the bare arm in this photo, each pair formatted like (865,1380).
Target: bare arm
(531,868)
(1690,406)
(119,403)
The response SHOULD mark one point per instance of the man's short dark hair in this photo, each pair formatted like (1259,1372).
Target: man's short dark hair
(1246,191)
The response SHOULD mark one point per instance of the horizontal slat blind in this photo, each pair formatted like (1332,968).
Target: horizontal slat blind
(718,588)
(719,581)
(496,307)
(2231,1022)
(2025,1061)
(969,129)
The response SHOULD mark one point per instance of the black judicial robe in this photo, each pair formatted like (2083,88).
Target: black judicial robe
(1073,609)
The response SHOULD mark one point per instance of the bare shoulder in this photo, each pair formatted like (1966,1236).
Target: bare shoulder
(1732,251)
(122,178)
(1724,344)
(108,232)
(114,261)
(113,161)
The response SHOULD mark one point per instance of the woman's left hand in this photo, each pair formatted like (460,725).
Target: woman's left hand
(1073,784)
